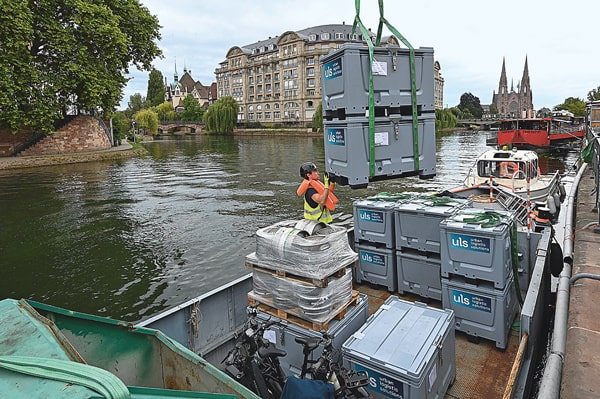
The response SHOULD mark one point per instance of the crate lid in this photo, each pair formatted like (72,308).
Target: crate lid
(401,338)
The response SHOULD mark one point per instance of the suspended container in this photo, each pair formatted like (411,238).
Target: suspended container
(345,79)
(407,349)
(348,147)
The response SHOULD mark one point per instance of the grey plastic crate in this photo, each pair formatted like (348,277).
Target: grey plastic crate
(417,222)
(481,310)
(407,349)
(376,265)
(419,273)
(345,76)
(284,337)
(477,252)
(374,221)
(347,149)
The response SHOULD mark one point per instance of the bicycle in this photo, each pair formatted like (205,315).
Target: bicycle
(348,384)
(254,360)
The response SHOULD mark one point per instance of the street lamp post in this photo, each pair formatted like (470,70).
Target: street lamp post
(133,130)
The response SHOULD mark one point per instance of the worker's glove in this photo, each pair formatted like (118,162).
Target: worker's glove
(326,180)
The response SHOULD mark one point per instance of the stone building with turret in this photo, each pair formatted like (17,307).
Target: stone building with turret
(514,103)
(180,88)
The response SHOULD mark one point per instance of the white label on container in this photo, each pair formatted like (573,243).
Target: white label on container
(379,68)
(381,139)
(432,377)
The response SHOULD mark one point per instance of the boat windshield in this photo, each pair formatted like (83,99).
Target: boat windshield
(507,169)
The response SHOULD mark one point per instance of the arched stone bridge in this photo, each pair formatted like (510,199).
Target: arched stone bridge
(181,126)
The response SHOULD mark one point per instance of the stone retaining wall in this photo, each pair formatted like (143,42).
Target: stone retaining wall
(82,134)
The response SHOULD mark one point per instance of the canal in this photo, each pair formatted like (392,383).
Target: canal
(128,239)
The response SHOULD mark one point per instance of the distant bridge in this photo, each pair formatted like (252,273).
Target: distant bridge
(180,127)
(479,124)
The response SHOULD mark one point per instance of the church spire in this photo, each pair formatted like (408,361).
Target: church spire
(503,80)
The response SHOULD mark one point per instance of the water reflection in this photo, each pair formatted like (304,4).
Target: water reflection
(130,238)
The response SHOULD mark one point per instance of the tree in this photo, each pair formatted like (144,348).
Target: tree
(445,119)
(317,120)
(148,120)
(192,110)
(58,56)
(136,103)
(121,125)
(470,104)
(221,117)
(165,112)
(574,105)
(594,94)
(156,88)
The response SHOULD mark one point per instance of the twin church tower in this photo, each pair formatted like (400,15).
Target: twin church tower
(514,104)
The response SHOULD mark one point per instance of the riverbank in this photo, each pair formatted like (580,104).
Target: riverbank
(123,151)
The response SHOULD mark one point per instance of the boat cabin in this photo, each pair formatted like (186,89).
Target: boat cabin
(503,164)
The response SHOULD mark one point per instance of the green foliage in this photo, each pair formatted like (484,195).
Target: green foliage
(73,54)
(317,120)
(470,106)
(445,119)
(156,88)
(221,117)
(594,94)
(165,112)
(136,103)
(192,110)
(574,105)
(147,120)
(493,109)
(121,125)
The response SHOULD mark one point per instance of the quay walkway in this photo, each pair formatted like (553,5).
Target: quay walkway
(581,366)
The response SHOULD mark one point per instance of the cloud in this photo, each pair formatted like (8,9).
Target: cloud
(470,39)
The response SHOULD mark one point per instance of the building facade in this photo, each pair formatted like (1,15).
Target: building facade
(180,88)
(438,86)
(511,103)
(277,81)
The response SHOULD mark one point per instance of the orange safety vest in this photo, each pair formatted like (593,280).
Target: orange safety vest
(508,169)
(320,187)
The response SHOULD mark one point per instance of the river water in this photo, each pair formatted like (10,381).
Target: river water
(129,239)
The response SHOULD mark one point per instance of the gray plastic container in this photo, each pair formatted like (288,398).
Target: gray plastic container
(374,221)
(481,310)
(347,149)
(376,265)
(419,273)
(345,78)
(417,222)
(284,337)
(474,251)
(407,349)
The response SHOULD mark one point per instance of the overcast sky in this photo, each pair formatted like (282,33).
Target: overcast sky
(470,38)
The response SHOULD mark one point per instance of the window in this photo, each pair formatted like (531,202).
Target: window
(310,71)
(312,37)
(339,36)
(325,36)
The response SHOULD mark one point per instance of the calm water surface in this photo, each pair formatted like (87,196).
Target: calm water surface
(129,239)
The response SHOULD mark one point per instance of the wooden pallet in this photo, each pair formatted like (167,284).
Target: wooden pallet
(317,282)
(293,315)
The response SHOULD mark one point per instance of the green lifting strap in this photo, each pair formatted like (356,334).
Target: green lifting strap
(415,126)
(94,378)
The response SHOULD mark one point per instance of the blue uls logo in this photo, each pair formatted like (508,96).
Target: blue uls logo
(367,257)
(461,299)
(459,242)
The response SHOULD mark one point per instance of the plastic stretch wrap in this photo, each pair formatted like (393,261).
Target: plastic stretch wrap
(305,248)
(302,299)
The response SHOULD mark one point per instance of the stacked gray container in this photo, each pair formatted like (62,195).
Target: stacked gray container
(477,272)
(346,79)
(374,239)
(417,242)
